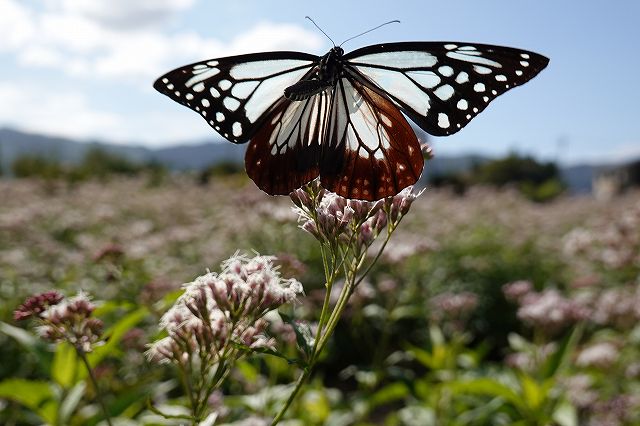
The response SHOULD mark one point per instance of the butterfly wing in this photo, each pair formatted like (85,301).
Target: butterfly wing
(234,94)
(441,86)
(284,154)
(370,150)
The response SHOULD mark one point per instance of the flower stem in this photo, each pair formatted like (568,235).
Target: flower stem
(301,380)
(94,382)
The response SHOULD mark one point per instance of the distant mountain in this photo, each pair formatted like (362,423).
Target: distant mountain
(14,144)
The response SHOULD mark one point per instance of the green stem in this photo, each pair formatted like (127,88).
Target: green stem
(301,380)
(94,382)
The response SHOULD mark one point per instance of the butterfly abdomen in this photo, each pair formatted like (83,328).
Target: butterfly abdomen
(304,89)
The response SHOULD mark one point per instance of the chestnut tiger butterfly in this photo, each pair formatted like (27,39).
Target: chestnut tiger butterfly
(342,116)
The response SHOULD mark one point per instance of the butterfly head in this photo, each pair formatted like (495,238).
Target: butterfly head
(337,51)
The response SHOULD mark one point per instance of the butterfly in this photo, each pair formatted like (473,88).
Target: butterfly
(342,117)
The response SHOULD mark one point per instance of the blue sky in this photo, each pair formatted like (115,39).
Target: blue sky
(84,68)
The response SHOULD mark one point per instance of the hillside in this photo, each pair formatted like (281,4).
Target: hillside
(194,156)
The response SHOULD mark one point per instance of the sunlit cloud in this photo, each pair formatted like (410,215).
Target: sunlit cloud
(53,112)
(98,39)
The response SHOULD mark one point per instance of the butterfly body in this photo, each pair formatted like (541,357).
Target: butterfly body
(342,116)
(329,71)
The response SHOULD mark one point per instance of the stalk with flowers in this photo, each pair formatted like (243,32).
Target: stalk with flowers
(61,319)
(346,230)
(218,320)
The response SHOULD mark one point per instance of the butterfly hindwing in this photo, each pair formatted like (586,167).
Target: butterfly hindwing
(441,86)
(370,150)
(234,94)
(285,153)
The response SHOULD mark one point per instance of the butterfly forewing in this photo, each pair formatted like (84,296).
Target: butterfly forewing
(441,86)
(234,94)
(285,153)
(370,150)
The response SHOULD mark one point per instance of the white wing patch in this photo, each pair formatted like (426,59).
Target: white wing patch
(262,69)
(400,59)
(233,93)
(298,123)
(443,86)
(267,92)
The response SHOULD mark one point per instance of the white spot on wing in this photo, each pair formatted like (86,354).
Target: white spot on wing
(450,46)
(446,70)
(443,120)
(237,129)
(198,87)
(518,73)
(205,102)
(463,77)
(219,117)
(224,84)
(524,56)
(189,96)
(462,104)
(501,77)
(479,87)
(482,70)
(214,92)
(231,104)
(444,92)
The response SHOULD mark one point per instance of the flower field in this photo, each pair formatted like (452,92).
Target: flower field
(486,309)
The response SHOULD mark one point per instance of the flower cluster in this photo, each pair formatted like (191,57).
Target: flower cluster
(548,310)
(217,311)
(63,319)
(331,218)
(35,305)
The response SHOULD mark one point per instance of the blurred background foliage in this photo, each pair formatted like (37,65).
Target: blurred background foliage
(433,336)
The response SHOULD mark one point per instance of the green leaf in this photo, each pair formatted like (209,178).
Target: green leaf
(534,394)
(422,356)
(114,335)
(566,415)
(268,351)
(488,387)
(389,393)
(64,367)
(22,336)
(71,402)
(559,359)
(304,336)
(37,396)
(248,371)
(406,312)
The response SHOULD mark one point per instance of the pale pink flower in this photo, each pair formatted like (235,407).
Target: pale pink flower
(599,355)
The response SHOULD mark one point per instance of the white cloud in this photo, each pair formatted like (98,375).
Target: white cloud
(16,28)
(93,38)
(97,41)
(125,13)
(53,112)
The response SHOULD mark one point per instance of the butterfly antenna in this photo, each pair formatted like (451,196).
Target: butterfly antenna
(314,23)
(395,21)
